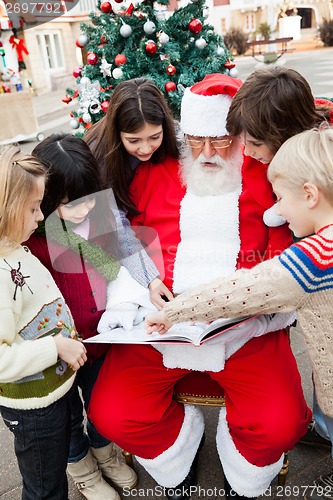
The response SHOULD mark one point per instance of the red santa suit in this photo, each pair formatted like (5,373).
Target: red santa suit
(202,237)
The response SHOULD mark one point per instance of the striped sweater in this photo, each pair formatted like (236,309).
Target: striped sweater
(300,279)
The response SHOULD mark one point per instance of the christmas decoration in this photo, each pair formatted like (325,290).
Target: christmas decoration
(125,30)
(163,38)
(170,70)
(151,47)
(105,68)
(120,59)
(19,46)
(77,71)
(200,43)
(92,58)
(106,7)
(74,124)
(105,106)
(82,41)
(195,26)
(117,73)
(170,86)
(229,64)
(67,99)
(149,28)
(139,40)
(233,72)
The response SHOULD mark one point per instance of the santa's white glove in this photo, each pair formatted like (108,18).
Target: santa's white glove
(272,219)
(122,315)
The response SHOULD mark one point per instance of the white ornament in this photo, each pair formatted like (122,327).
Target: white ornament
(83,40)
(233,72)
(205,13)
(149,28)
(86,117)
(200,43)
(84,82)
(163,38)
(117,73)
(105,68)
(220,51)
(125,30)
(74,124)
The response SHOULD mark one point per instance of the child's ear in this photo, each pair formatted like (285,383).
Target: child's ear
(311,193)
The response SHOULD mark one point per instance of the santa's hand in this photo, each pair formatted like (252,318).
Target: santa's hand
(157,322)
(122,315)
(159,293)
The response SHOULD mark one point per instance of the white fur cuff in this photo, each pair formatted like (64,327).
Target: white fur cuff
(171,467)
(245,478)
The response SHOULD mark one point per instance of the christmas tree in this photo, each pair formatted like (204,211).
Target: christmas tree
(174,51)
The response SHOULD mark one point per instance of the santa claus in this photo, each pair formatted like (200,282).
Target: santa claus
(208,213)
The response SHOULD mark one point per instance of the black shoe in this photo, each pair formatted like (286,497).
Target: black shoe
(230,493)
(312,438)
(322,489)
(183,490)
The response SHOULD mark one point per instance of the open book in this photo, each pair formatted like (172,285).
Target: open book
(182,333)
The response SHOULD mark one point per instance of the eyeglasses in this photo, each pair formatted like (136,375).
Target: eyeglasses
(214,143)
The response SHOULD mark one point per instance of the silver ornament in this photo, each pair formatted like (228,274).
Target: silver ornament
(163,38)
(86,118)
(74,124)
(149,28)
(117,73)
(233,72)
(200,43)
(220,51)
(125,30)
(83,39)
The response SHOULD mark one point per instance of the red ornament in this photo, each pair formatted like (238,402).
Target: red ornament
(105,106)
(170,70)
(103,39)
(67,99)
(129,10)
(77,71)
(118,1)
(195,26)
(170,87)
(92,58)
(229,64)
(151,47)
(120,59)
(106,7)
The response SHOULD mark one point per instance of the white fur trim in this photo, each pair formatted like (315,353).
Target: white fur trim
(171,467)
(210,241)
(206,357)
(245,478)
(204,116)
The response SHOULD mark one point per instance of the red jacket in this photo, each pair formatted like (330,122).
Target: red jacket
(157,192)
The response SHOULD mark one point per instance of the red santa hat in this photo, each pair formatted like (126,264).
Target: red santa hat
(205,105)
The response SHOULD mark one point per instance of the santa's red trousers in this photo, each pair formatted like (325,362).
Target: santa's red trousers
(132,403)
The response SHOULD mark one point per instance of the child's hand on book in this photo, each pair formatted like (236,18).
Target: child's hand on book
(157,322)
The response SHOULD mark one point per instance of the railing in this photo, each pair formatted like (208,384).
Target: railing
(259,48)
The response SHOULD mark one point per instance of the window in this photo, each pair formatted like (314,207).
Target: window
(250,22)
(50,45)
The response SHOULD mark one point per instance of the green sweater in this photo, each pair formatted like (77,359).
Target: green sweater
(32,311)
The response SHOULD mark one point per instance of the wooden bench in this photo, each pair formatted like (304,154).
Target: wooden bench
(259,48)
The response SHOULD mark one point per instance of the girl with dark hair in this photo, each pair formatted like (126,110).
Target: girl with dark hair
(138,127)
(76,244)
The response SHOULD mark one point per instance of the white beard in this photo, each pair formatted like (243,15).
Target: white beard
(205,181)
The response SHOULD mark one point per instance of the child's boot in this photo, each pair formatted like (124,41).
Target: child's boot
(89,481)
(112,468)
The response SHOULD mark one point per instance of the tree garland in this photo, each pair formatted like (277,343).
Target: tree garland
(104,263)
